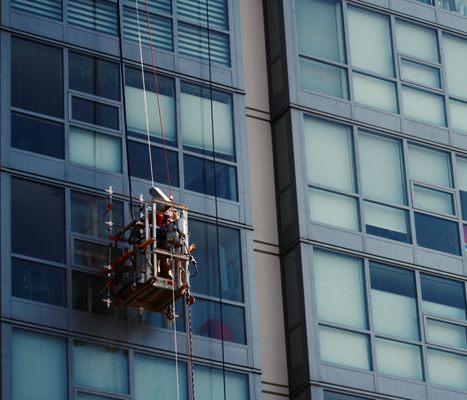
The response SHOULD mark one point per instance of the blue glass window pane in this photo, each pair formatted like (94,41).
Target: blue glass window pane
(139,163)
(93,255)
(207,321)
(95,113)
(45,8)
(40,208)
(38,282)
(36,77)
(37,135)
(94,76)
(437,233)
(98,15)
(199,177)
(88,293)
(446,293)
(463,197)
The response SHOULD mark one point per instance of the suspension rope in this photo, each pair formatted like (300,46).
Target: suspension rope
(174,322)
(148,134)
(154,69)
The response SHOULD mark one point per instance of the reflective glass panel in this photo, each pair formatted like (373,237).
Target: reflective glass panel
(437,233)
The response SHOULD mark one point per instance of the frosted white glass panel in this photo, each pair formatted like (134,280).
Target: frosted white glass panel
(455,54)
(329,154)
(370,41)
(95,150)
(334,209)
(136,113)
(458,111)
(417,41)
(398,359)
(99,367)
(394,302)
(158,375)
(429,166)
(433,200)
(344,348)
(38,367)
(388,222)
(340,289)
(423,74)
(320,29)
(196,124)
(447,369)
(210,384)
(423,106)
(374,92)
(446,334)
(461,164)
(381,168)
(444,310)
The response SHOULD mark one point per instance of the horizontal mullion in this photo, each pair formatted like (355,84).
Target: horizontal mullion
(219,300)
(333,190)
(210,157)
(153,143)
(387,204)
(323,60)
(392,338)
(422,88)
(373,74)
(416,60)
(344,327)
(433,214)
(36,114)
(38,260)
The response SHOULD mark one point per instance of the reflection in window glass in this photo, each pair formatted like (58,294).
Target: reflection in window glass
(37,135)
(200,177)
(95,113)
(38,366)
(196,122)
(88,214)
(323,78)
(394,289)
(433,200)
(157,375)
(209,254)
(461,170)
(98,15)
(340,289)
(45,207)
(38,282)
(455,53)
(36,77)
(417,41)
(210,384)
(207,321)
(376,93)
(381,168)
(447,369)
(95,150)
(437,233)
(320,29)
(329,154)
(99,367)
(334,209)
(136,109)
(423,106)
(429,166)
(94,76)
(93,255)
(370,41)
(345,348)
(387,222)
(198,11)
(398,359)
(443,297)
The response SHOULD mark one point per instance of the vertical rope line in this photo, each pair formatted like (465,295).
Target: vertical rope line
(175,329)
(190,349)
(154,69)
(148,135)
(215,195)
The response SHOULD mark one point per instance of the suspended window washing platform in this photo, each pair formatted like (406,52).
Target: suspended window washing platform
(155,268)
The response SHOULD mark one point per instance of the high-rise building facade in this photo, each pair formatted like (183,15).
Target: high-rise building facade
(350,116)
(369,105)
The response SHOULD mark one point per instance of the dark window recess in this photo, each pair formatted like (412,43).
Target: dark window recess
(210,255)
(36,77)
(463,197)
(199,177)
(392,280)
(89,213)
(88,292)
(38,220)
(94,76)
(93,255)
(95,113)
(207,321)
(139,163)
(38,282)
(437,233)
(443,291)
(37,135)
(389,234)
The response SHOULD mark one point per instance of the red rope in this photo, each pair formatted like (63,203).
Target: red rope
(154,68)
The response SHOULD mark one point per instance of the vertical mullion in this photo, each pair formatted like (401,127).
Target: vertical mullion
(357,188)
(421,327)
(345,23)
(395,65)
(366,265)
(408,194)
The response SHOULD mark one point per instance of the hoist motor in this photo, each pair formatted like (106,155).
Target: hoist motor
(154,262)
